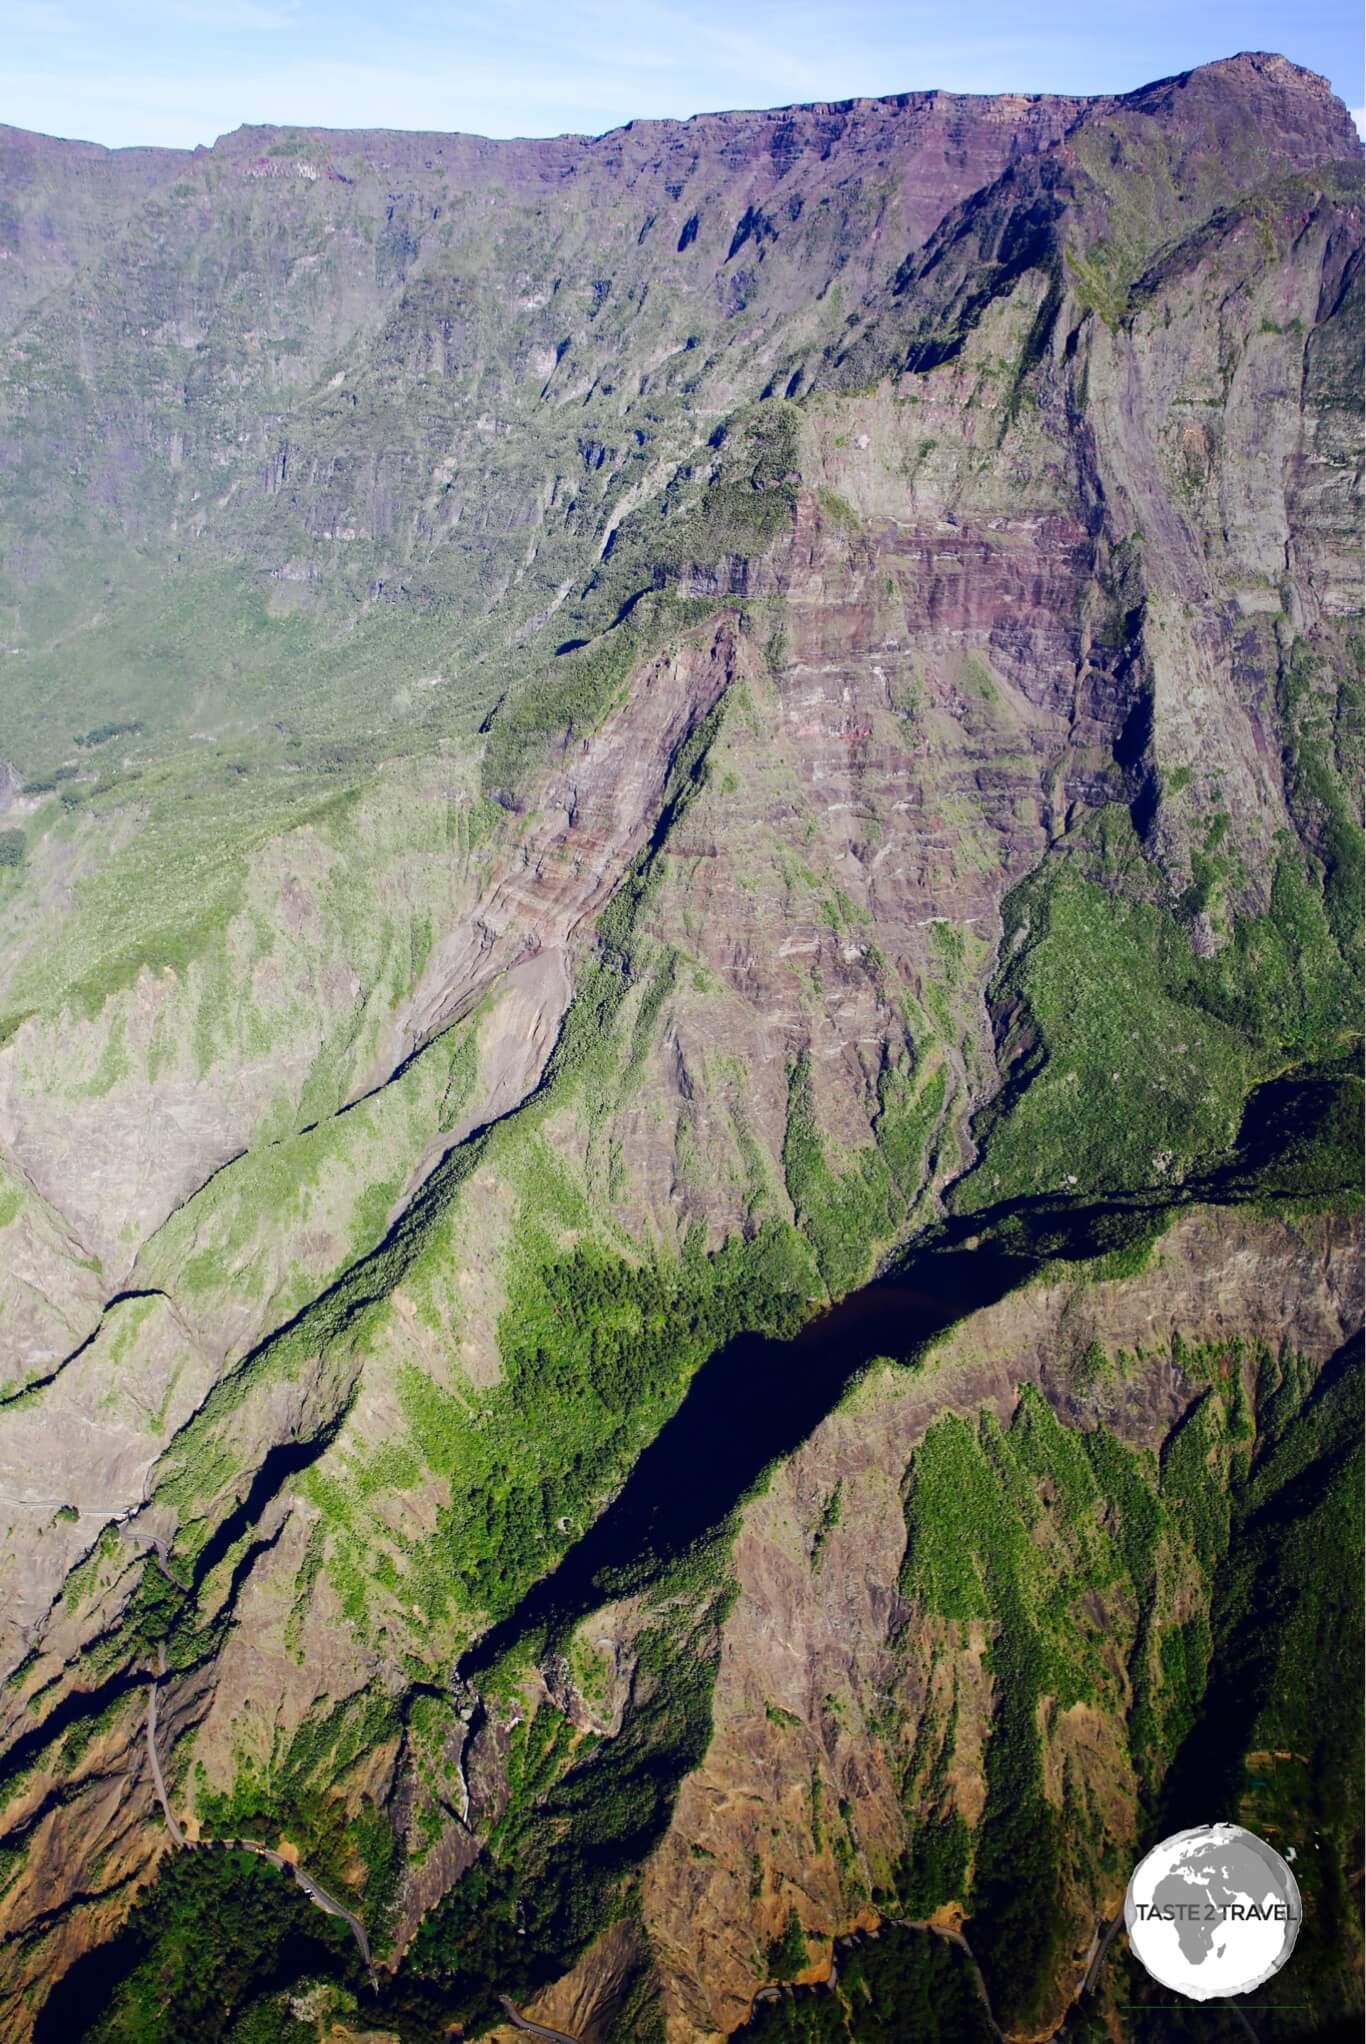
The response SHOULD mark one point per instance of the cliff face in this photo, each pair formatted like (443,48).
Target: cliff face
(64,202)
(602,734)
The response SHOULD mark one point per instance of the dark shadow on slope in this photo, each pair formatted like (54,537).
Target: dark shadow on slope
(76,1706)
(1278,1560)
(757,1399)
(751,1403)
(217,1935)
(285,1459)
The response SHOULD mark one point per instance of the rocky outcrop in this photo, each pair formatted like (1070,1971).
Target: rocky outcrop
(591,820)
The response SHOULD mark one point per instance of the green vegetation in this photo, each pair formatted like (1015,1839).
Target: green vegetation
(102,733)
(299,1794)
(1129,1058)
(560,1864)
(1210,1572)
(631,608)
(1101,276)
(910,1111)
(729,510)
(825,1525)
(569,701)
(348,552)
(326,1193)
(198,1958)
(1062,1544)
(900,1985)
(596,1353)
(787,1955)
(844,1215)
(1323,717)
(1277,1737)
(934,1867)
(970,1513)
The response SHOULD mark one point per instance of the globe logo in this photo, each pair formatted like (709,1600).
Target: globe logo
(1213,1911)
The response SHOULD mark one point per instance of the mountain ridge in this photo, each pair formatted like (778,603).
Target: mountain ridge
(592,763)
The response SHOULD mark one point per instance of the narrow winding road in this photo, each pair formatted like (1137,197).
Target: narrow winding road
(316,1893)
(321,1899)
(955,1937)
(1101,1943)
(534,2029)
(158,1779)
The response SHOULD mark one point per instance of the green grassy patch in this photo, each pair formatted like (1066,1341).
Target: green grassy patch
(1126,1059)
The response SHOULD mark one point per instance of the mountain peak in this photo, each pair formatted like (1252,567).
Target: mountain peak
(1264,95)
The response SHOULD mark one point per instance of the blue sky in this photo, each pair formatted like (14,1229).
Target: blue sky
(184,71)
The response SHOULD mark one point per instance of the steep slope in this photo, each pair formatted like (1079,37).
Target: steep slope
(600,731)
(973,1626)
(64,202)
